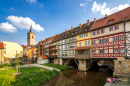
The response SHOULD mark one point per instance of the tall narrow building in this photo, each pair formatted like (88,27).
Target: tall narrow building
(30,37)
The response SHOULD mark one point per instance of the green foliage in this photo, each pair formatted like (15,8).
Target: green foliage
(33,76)
(60,67)
(12,64)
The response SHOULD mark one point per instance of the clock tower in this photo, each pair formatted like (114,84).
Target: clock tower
(30,37)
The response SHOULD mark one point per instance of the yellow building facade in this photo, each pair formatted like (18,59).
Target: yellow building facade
(10,49)
(30,53)
(84,39)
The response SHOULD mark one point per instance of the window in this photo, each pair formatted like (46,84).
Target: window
(121,50)
(116,27)
(93,42)
(5,52)
(115,50)
(85,42)
(121,37)
(81,52)
(115,38)
(110,21)
(79,43)
(80,36)
(105,40)
(89,42)
(110,28)
(93,51)
(86,34)
(105,51)
(93,32)
(101,51)
(102,30)
(101,41)
(32,37)
(98,31)
(4,44)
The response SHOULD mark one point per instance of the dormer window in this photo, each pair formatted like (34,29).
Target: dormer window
(110,21)
(85,29)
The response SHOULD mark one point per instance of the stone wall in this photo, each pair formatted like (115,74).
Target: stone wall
(55,61)
(121,66)
(82,65)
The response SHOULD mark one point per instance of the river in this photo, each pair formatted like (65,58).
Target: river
(71,78)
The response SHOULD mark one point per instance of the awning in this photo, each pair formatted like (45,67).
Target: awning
(82,48)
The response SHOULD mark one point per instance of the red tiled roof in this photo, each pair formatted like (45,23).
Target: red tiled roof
(56,38)
(2,45)
(116,17)
(82,48)
(43,56)
(24,46)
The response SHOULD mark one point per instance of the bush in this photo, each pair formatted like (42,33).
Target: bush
(12,64)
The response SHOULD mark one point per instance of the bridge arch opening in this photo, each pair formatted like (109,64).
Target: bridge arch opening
(71,62)
(102,66)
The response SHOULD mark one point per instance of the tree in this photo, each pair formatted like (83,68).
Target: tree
(16,63)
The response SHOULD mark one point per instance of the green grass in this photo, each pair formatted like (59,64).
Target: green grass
(12,64)
(33,76)
(60,67)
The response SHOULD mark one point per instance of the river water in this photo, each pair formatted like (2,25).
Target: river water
(71,78)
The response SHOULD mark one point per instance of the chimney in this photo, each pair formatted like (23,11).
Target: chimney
(80,25)
(56,34)
(105,15)
(88,22)
(38,41)
(66,30)
(94,19)
(71,27)
(45,38)
(41,40)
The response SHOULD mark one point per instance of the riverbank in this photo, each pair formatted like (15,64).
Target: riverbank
(33,76)
(60,67)
(122,83)
(71,78)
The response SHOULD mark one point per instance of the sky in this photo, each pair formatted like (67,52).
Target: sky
(50,17)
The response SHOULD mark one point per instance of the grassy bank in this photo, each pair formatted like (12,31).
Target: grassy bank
(12,64)
(33,76)
(60,67)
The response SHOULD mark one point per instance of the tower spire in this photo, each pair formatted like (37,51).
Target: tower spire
(31,28)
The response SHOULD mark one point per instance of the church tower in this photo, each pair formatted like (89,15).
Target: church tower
(30,37)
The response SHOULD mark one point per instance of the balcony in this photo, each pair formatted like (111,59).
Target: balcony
(82,53)
(53,56)
(52,51)
(51,46)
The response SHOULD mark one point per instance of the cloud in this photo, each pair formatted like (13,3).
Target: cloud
(31,1)
(106,10)
(12,8)
(6,27)
(24,23)
(83,4)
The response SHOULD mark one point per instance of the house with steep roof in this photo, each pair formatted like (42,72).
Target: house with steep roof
(42,59)
(53,49)
(1,52)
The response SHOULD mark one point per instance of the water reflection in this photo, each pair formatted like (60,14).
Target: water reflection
(71,78)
